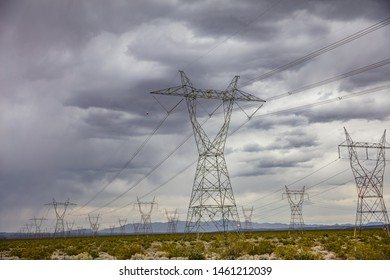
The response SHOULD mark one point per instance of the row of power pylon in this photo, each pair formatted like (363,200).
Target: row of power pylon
(212,203)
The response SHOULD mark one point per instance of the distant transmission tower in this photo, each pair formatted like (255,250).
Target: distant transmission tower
(248,217)
(122,225)
(173,218)
(112,229)
(368,169)
(212,198)
(94,222)
(38,225)
(295,199)
(69,228)
(27,230)
(145,209)
(60,209)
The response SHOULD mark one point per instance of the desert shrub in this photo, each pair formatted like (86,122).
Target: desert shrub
(72,251)
(287,252)
(127,251)
(16,252)
(287,241)
(234,249)
(196,251)
(36,253)
(93,253)
(369,251)
(263,247)
(173,249)
(291,252)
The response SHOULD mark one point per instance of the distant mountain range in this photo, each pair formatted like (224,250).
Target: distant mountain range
(159,228)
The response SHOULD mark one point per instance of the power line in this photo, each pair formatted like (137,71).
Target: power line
(303,107)
(268,74)
(333,79)
(312,186)
(327,101)
(133,156)
(153,169)
(323,50)
(278,190)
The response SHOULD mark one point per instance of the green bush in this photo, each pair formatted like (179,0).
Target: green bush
(196,251)
(292,252)
(174,250)
(263,247)
(127,251)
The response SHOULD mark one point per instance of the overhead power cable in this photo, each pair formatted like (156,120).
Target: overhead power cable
(323,50)
(303,107)
(312,173)
(333,79)
(130,160)
(153,169)
(307,106)
(296,62)
(327,101)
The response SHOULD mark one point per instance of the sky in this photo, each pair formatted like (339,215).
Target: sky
(78,122)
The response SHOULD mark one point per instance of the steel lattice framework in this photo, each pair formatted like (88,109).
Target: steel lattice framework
(122,224)
(296,199)
(368,171)
(173,218)
(145,209)
(94,223)
(212,204)
(248,212)
(60,214)
(38,225)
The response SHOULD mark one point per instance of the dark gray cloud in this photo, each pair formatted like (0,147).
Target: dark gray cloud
(266,123)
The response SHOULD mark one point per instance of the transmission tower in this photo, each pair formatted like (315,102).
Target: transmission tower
(173,218)
(60,209)
(248,217)
(122,225)
(368,167)
(27,230)
(94,222)
(212,198)
(145,209)
(136,227)
(69,227)
(295,199)
(38,225)
(80,231)
(112,229)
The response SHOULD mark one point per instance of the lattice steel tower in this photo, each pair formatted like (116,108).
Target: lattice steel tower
(368,169)
(94,222)
(295,199)
(60,214)
(248,217)
(145,209)
(173,219)
(122,224)
(38,225)
(212,201)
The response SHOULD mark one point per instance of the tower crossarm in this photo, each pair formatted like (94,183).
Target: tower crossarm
(225,95)
(365,145)
(188,91)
